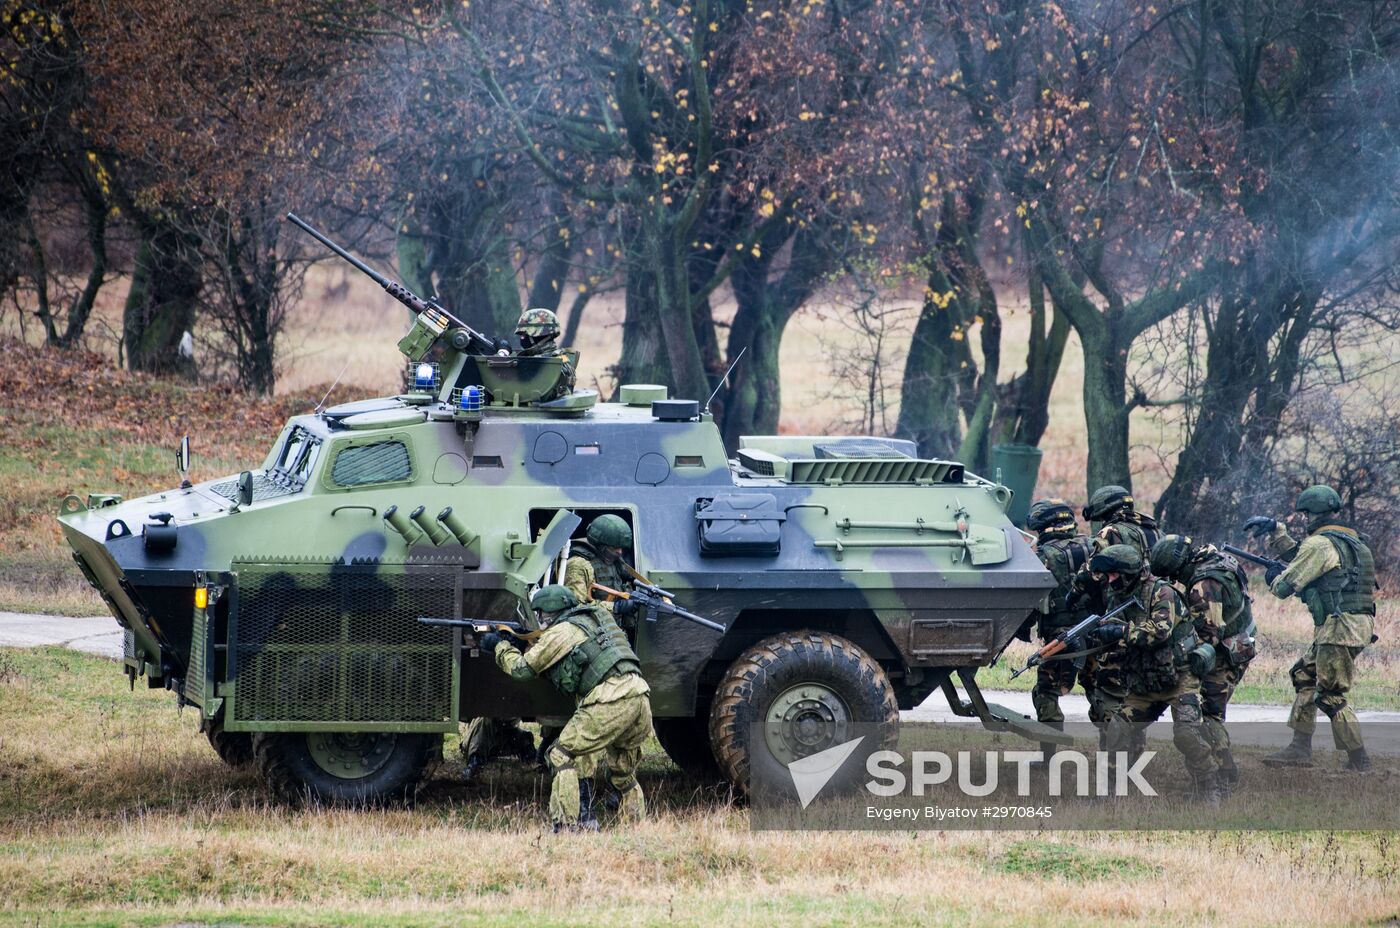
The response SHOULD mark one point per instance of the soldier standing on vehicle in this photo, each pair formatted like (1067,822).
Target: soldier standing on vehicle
(538,331)
(1334,573)
(1120,524)
(599,559)
(1159,640)
(1216,592)
(1064,552)
(585,655)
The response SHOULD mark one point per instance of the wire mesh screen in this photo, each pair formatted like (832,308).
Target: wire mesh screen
(264,487)
(197,672)
(381,462)
(342,643)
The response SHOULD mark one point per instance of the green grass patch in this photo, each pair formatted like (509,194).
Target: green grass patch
(1049,861)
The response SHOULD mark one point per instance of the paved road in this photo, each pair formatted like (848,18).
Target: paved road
(102,636)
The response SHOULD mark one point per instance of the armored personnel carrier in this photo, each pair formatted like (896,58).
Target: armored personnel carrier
(852,577)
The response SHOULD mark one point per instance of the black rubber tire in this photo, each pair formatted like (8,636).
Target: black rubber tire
(765,671)
(286,766)
(234,748)
(687,742)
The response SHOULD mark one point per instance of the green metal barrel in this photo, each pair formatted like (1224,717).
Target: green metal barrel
(1018,466)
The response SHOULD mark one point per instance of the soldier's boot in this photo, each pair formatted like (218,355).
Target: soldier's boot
(475,762)
(1228,776)
(1048,748)
(1207,789)
(1358,760)
(587,821)
(1297,754)
(525,747)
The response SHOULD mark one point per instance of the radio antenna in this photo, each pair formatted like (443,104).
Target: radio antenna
(725,379)
(336,383)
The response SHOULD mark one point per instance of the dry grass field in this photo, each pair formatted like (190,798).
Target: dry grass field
(114,811)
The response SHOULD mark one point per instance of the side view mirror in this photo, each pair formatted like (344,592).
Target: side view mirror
(182,462)
(245,488)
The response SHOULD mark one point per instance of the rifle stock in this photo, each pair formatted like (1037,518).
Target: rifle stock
(483,626)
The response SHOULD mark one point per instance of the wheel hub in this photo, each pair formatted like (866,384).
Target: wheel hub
(804,720)
(350,755)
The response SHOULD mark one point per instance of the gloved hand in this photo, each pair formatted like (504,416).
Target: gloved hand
(625,608)
(1259,526)
(1271,574)
(489,642)
(1109,634)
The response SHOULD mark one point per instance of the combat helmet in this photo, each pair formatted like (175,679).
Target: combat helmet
(1118,559)
(610,531)
(1170,555)
(1107,500)
(1318,500)
(537,325)
(1050,515)
(553,598)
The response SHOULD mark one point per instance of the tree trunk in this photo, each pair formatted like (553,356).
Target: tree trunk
(643,356)
(160,307)
(78,313)
(938,369)
(552,272)
(1105,411)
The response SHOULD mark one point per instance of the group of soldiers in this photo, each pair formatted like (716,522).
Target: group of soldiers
(1184,637)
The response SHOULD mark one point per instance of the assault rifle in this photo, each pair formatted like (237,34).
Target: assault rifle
(437,315)
(656,601)
(1061,642)
(482,626)
(1272,565)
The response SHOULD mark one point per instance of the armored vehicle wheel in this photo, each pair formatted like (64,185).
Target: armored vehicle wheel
(234,748)
(793,695)
(687,742)
(350,768)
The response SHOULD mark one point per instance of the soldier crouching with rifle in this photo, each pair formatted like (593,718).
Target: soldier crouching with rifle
(1161,662)
(583,652)
(1216,592)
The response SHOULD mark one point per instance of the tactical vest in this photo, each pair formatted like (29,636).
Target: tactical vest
(1226,571)
(1063,557)
(1350,588)
(603,653)
(1137,530)
(606,573)
(1154,670)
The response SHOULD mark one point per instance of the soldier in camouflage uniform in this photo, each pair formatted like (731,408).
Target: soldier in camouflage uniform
(1334,573)
(1216,592)
(599,559)
(586,655)
(538,331)
(1064,552)
(1120,524)
(1158,638)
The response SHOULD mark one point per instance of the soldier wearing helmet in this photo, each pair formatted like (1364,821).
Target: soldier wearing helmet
(1119,524)
(1216,592)
(585,655)
(1158,640)
(1064,552)
(538,331)
(600,559)
(1334,573)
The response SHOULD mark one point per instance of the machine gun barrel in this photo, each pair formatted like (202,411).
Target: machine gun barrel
(1268,562)
(657,601)
(1060,642)
(477,342)
(482,626)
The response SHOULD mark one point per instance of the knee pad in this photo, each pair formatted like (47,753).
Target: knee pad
(1300,676)
(1329,702)
(1189,709)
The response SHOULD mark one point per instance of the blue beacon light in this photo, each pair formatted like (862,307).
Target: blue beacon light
(423,376)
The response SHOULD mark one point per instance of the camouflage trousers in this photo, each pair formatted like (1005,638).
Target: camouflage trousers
(1127,731)
(496,738)
(1054,679)
(608,731)
(1106,685)
(1217,688)
(1321,680)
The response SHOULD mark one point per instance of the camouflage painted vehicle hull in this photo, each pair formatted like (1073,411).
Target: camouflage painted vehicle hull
(291,614)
